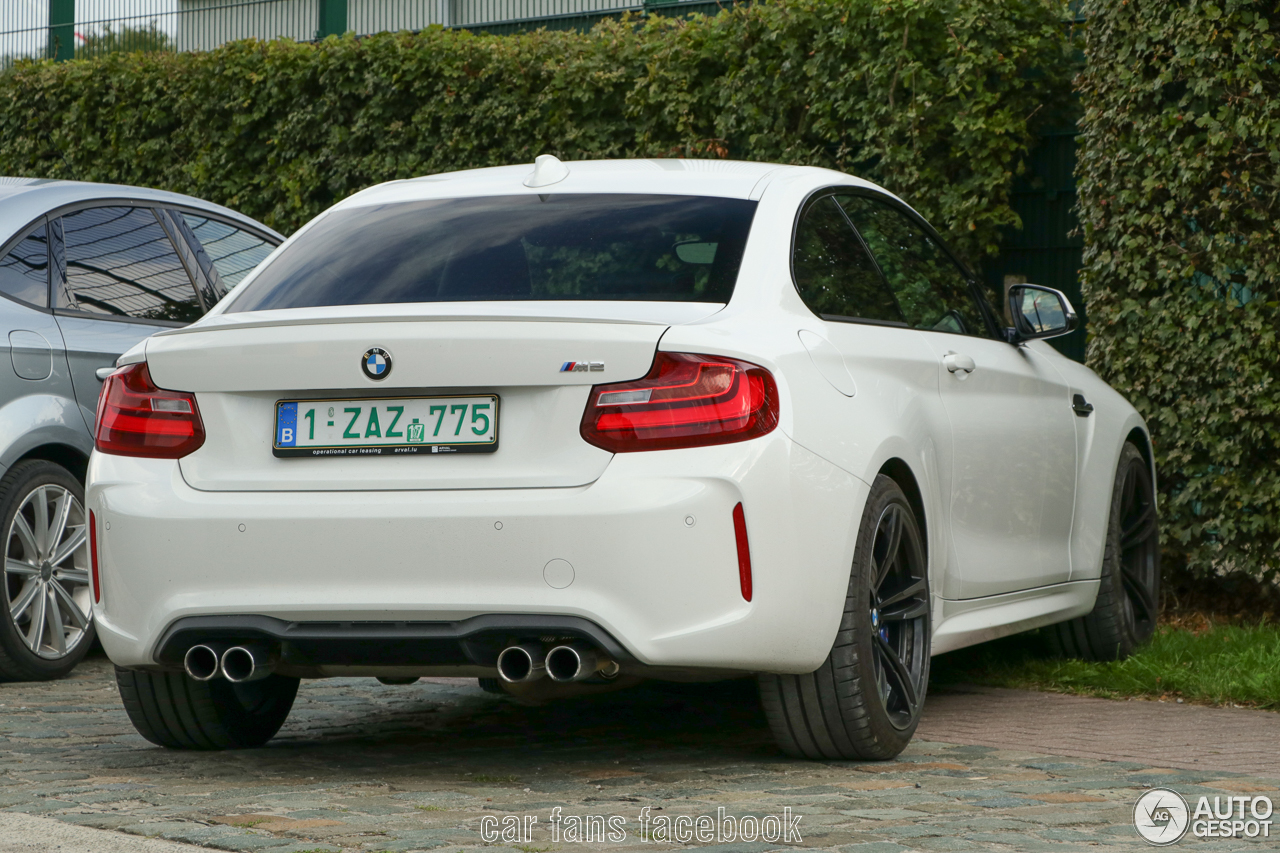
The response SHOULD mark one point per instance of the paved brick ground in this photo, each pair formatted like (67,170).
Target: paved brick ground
(366,767)
(1186,736)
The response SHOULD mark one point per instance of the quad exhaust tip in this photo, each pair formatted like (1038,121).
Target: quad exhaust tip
(202,662)
(249,662)
(525,662)
(578,662)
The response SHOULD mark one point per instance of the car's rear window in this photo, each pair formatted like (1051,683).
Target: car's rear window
(650,248)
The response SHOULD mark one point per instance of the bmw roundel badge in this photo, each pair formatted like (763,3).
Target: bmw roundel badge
(376,364)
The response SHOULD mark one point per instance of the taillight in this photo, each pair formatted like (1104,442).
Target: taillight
(135,418)
(686,401)
(93,557)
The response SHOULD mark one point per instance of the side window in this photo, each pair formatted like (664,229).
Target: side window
(933,292)
(232,251)
(834,274)
(24,272)
(120,263)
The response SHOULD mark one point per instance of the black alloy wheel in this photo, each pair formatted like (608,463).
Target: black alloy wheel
(1139,548)
(899,618)
(1128,604)
(864,701)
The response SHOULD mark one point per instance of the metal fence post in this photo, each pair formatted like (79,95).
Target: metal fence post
(333,18)
(62,30)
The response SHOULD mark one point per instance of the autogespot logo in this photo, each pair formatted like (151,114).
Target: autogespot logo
(1161,816)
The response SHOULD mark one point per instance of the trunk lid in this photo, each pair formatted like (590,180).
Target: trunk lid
(240,365)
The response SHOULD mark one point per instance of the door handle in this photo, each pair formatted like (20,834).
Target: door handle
(1082,407)
(958,363)
(103,372)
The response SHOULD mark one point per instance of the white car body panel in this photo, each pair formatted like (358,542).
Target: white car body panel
(1099,439)
(172,551)
(516,359)
(1013,479)
(1015,510)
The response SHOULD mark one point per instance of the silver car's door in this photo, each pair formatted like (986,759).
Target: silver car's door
(118,278)
(1013,462)
(35,383)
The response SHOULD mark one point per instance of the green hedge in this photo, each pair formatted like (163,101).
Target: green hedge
(937,99)
(1179,182)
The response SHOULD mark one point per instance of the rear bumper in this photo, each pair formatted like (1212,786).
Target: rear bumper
(650,545)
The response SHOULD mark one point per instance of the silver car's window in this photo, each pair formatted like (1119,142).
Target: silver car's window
(933,292)
(834,274)
(648,248)
(24,272)
(120,263)
(233,251)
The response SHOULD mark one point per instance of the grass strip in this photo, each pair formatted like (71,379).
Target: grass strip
(1217,665)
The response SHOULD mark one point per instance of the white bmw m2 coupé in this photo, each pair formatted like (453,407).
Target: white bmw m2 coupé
(611,420)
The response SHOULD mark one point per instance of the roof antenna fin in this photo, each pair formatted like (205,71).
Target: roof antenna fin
(547,170)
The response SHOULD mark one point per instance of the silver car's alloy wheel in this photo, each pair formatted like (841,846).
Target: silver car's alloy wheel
(46,572)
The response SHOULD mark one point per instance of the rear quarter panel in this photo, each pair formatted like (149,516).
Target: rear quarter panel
(889,416)
(34,413)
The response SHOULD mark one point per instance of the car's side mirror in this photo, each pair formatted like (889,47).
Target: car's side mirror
(1039,312)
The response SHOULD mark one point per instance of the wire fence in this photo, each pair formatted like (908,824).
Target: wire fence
(67,29)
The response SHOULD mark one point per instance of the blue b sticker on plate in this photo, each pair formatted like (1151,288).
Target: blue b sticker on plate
(287,425)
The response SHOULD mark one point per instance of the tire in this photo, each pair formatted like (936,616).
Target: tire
(1125,613)
(171,710)
(859,705)
(491,685)
(46,617)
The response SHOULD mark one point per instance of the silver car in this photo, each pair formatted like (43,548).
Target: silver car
(86,271)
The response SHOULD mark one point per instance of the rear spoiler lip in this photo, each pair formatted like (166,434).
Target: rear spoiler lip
(648,314)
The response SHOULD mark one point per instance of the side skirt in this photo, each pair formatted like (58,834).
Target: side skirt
(977,620)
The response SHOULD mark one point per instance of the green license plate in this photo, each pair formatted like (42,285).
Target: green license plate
(386,426)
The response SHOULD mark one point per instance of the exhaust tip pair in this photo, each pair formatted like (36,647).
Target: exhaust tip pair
(237,664)
(566,662)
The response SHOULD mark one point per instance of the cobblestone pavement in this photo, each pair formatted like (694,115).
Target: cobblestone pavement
(364,767)
(24,833)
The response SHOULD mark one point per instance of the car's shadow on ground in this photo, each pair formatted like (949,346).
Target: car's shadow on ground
(436,726)
(342,729)
(448,723)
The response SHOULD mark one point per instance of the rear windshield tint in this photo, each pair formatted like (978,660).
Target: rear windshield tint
(649,248)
